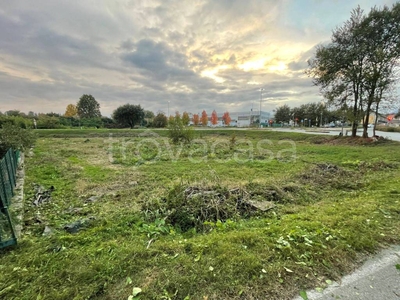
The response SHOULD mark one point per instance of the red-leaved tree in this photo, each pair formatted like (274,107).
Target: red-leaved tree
(196,119)
(214,118)
(204,118)
(227,118)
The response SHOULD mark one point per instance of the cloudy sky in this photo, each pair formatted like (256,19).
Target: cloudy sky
(188,55)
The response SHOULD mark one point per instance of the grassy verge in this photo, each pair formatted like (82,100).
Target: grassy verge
(388,128)
(176,222)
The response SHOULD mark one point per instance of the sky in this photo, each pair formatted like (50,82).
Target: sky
(165,55)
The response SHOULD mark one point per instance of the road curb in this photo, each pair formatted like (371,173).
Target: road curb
(377,278)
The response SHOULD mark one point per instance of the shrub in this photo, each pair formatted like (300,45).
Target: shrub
(194,206)
(160,121)
(12,136)
(178,132)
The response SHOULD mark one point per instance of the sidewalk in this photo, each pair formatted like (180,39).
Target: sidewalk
(377,279)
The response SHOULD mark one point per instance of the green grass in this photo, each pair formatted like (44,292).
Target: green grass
(319,231)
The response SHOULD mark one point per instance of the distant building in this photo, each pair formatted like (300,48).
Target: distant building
(242,119)
(250,118)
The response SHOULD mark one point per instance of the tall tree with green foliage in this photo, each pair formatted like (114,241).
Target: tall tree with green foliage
(381,29)
(148,117)
(185,118)
(88,107)
(357,67)
(128,115)
(283,114)
(160,121)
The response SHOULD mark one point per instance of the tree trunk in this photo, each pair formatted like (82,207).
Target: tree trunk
(377,111)
(376,118)
(371,98)
(354,124)
(366,121)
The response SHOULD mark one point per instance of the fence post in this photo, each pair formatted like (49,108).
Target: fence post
(13,166)
(3,180)
(10,171)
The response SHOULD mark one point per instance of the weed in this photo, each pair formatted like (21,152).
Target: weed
(178,132)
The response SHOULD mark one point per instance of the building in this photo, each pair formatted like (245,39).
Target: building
(250,118)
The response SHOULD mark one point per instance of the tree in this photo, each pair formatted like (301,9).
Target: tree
(128,115)
(283,114)
(31,114)
(148,114)
(227,118)
(108,122)
(214,118)
(382,44)
(13,113)
(71,111)
(204,118)
(45,121)
(196,119)
(185,118)
(88,107)
(357,67)
(160,121)
(337,67)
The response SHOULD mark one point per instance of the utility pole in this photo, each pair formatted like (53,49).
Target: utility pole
(261,90)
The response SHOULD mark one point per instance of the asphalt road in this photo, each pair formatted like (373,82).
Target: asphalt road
(395,136)
(377,279)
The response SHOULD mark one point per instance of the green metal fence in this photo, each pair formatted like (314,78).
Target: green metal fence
(8,176)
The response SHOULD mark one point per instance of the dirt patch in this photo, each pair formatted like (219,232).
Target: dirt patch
(347,140)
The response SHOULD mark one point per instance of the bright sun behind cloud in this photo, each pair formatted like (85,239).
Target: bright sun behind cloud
(211,73)
(253,65)
(281,66)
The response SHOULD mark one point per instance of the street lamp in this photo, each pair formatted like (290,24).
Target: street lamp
(168,108)
(261,90)
(322,109)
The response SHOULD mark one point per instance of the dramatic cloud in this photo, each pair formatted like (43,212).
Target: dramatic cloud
(196,55)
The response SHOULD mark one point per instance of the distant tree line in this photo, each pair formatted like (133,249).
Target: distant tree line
(311,114)
(86,113)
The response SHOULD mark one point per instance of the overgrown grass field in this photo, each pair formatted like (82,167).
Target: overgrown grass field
(237,214)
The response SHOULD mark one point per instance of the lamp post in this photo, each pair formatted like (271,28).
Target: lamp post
(322,109)
(168,108)
(261,90)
